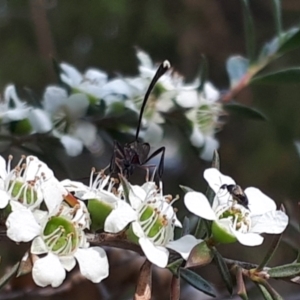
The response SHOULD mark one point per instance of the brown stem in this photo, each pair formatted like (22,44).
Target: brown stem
(175,288)
(237,88)
(144,284)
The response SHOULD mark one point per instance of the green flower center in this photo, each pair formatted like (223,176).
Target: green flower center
(23,192)
(60,236)
(154,224)
(207,117)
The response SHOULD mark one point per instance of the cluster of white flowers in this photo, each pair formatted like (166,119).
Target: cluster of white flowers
(55,226)
(49,214)
(65,110)
(53,216)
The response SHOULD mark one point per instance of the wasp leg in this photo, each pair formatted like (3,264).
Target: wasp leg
(114,162)
(161,161)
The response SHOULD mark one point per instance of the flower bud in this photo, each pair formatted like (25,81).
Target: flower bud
(99,211)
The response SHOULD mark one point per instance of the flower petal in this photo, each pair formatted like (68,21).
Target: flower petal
(197,138)
(54,98)
(216,179)
(144,59)
(198,204)
(187,98)
(40,120)
(70,75)
(38,246)
(259,203)
(184,245)
(68,262)
(136,196)
(155,254)
(120,217)
(22,226)
(93,263)
(95,76)
(210,145)
(273,222)
(53,194)
(35,167)
(72,145)
(77,105)
(3,172)
(210,92)
(48,271)
(249,239)
(137,229)
(86,132)
(4,199)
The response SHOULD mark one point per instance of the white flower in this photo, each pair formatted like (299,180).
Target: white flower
(203,114)
(62,239)
(13,109)
(105,206)
(168,82)
(67,113)
(30,182)
(234,220)
(89,83)
(154,222)
(94,83)
(161,99)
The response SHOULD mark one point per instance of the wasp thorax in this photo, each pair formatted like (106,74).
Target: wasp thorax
(60,236)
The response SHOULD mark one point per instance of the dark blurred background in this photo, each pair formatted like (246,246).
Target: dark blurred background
(103,34)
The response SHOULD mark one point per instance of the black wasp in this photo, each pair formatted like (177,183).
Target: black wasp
(237,194)
(126,158)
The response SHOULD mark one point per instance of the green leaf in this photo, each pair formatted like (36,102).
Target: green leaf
(237,67)
(126,187)
(289,40)
(277,16)
(200,255)
(197,282)
(216,160)
(285,270)
(225,274)
(271,251)
(264,292)
(240,284)
(268,291)
(175,265)
(245,111)
(185,226)
(291,75)
(9,275)
(249,30)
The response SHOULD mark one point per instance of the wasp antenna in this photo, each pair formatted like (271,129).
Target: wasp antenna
(163,68)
